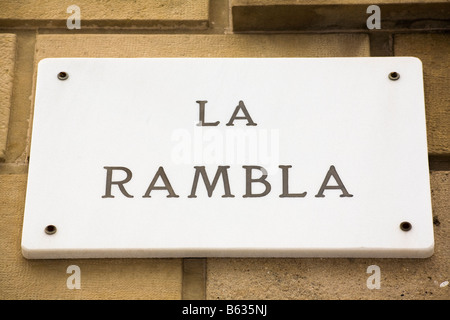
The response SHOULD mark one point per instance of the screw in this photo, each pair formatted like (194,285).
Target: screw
(394,76)
(405,226)
(50,229)
(63,75)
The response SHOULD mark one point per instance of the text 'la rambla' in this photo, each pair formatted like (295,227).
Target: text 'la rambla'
(222,173)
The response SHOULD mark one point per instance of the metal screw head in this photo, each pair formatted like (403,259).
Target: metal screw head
(50,229)
(394,76)
(63,75)
(405,226)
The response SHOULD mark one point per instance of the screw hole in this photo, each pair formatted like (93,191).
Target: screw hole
(63,75)
(50,229)
(405,226)
(394,76)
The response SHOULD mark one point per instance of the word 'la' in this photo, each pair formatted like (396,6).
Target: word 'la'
(241,107)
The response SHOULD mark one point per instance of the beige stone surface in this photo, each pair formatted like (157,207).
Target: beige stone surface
(106,13)
(342,278)
(207,25)
(194,273)
(434,51)
(186,45)
(21,102)
(100,278)
(7,61)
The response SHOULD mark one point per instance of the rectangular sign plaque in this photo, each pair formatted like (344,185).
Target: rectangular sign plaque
(228,157)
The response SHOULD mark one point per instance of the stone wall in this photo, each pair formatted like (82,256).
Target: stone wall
(34,30)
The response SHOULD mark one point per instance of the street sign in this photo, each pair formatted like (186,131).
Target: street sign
(228,157)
